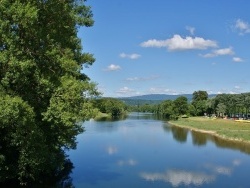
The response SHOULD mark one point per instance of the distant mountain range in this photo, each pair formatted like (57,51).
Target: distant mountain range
(158,97)
(155,98)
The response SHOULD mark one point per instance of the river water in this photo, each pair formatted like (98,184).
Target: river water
(142,151)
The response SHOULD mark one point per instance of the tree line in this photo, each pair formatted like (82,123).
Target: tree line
(230,105)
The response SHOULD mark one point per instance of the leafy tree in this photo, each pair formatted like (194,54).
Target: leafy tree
(199,102)
(221,109)
(44,94)
(167,109)
(110,106)
(191,110)
(200,95)
(210,103)
(200,107)
(181,105)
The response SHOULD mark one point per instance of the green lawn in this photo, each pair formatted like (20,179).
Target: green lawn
(223,127)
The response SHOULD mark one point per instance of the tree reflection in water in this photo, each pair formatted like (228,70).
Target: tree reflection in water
(60,179)
(179,134)
(198,138)
(201,139)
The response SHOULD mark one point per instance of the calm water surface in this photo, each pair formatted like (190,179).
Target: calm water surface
(142,151)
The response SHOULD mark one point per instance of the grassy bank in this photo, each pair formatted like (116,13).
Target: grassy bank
(222,127)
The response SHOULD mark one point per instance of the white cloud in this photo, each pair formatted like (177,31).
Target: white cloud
(142,78)
(177,43)
(242,26)
(237,59)
(113,67)
(130,56)
(161,90)
(190,29)
(179,177)
(125,90)
(219,52)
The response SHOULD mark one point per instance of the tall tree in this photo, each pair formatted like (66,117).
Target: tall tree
(44,93)
(200,95)
(199,101)
(181,105)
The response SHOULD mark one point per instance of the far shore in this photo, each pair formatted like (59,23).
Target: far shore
(223,128)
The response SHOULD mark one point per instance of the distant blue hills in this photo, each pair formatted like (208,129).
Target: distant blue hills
(155,98)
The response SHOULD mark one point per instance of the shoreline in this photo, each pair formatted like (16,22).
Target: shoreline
(209,132)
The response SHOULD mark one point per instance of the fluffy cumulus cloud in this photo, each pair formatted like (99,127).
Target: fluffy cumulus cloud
(177,43)
(242,27)
(130,56)
(237,59)
(113,67)
(220,52)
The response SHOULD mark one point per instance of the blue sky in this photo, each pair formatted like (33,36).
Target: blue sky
(169,46)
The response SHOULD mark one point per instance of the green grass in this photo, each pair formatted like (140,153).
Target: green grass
(222,127)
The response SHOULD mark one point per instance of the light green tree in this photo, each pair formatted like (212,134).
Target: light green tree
(44,93)
(221,109)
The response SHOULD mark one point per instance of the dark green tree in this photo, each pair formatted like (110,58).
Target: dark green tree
(199,102)
(167,109)
(44,93)
(199,95)
(181,105)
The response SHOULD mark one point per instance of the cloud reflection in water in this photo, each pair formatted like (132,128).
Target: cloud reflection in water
(178,177)
(111,150)
(130,162)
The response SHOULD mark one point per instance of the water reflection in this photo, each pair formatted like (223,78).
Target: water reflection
(139,116)
(198,138)
(60,179)
(129,162)
(179,134)
(220,169)
(138,153)
(179,177)
(112,118)
(201,139)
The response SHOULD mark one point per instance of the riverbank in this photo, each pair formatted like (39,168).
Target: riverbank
(224,128)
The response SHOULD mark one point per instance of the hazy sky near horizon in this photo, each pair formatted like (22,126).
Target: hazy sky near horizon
(169,46)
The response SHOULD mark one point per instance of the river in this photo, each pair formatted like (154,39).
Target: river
(142,151)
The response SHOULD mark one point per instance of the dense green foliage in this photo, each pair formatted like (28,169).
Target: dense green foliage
(44,94)
(112,106)
(199,102)
(231,105)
